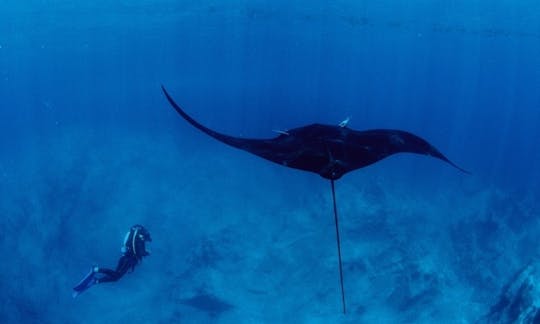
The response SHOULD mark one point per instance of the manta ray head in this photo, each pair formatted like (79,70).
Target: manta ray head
(334,170)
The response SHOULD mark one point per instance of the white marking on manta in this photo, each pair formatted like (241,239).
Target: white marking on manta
(282,132)
(345,122)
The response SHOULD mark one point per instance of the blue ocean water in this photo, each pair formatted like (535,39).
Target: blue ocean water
(89,146)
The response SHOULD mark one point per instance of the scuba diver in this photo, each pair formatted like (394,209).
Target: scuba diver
(133,250)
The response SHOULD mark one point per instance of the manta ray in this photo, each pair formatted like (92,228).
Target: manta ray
(328,150)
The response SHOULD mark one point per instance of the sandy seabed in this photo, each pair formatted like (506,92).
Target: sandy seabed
(241,240)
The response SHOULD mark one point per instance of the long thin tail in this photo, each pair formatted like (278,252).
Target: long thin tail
(338,247)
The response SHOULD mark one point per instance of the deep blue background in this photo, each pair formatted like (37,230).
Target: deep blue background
(82,115)
(460,74)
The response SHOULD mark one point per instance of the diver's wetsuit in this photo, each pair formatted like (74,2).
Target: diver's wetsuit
(134,250)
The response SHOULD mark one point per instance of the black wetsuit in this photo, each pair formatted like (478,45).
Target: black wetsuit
(133,251)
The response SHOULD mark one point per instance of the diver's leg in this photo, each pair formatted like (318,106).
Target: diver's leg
(124,264)
(108,275)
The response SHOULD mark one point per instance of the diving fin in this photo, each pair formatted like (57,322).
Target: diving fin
(88,281)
